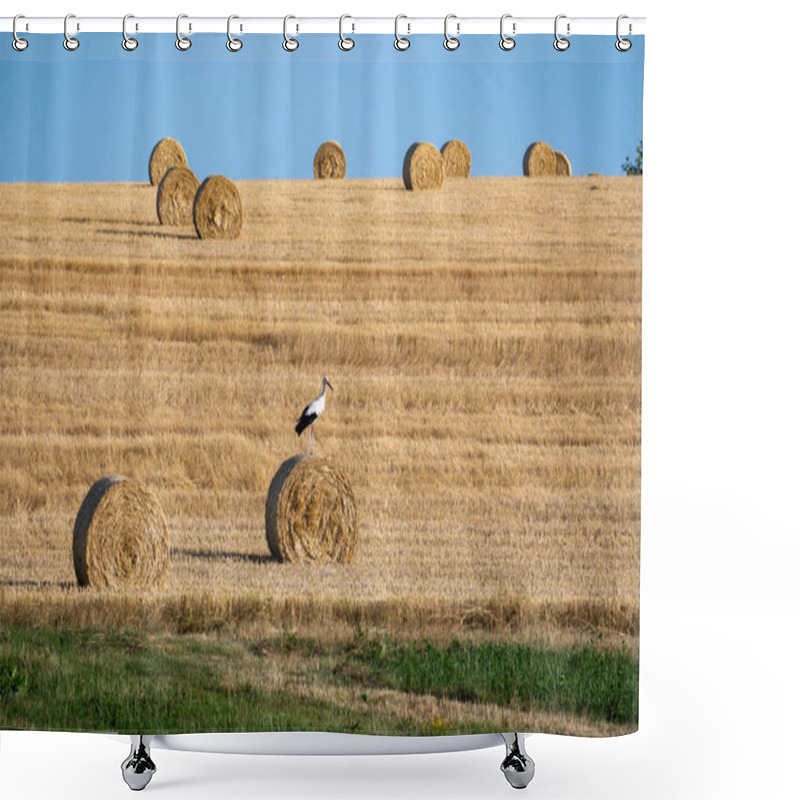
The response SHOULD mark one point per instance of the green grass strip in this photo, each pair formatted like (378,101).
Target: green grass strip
(127,682)
(121,682)
(597,683)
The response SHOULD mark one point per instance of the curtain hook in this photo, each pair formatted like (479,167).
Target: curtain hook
(400,42)
(19,44)
(623,45)
(128,42)
(507,42)
(451,42)
(345,42)
(561,44)
(181,42)
(233,44)
(289,44)
(70,42)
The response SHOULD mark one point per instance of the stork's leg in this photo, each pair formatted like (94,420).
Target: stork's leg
(311,437)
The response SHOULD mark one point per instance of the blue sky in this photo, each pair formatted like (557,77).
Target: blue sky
(95,114)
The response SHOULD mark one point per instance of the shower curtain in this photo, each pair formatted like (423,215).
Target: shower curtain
(320,376)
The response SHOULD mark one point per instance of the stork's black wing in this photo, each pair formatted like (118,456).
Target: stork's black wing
(305,420)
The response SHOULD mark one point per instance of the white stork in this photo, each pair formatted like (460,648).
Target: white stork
(311,414)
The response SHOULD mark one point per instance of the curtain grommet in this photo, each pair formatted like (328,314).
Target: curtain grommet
(451,43)
(71,43)
(233,44)
(622,44)
(401,43)
(507,43)
(183,43)
(18,43)
(289,43)
(129,43)
(345,42)
(561,43)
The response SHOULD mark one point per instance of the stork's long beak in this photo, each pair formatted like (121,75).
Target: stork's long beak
(329,384)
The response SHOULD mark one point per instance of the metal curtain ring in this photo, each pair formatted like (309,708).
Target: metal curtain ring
(623,45)
(345,42)
(70,42)
(561,44)
(233,44)
(450,42)
(181,42)
(289,44)
(507,42)
(18,43)
(128,42)
(400,42)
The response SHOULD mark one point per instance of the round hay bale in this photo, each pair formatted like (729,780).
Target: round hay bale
(563,167)
(539,160)
(167,153)
(423,167)
(120,536)
(456,158)
(217,209)
(329,162)
(175,200)
(311,512)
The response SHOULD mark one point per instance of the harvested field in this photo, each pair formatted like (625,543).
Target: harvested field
(485,345)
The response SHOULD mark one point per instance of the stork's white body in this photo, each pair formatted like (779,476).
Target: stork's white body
(315,407)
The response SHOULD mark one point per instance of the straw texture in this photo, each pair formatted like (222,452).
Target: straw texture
(120,538)
(563,167)
(311,512)
(423,167)
(457,159)
(329,162)
(175,199)
(218,209)
(539,160)
(166,154)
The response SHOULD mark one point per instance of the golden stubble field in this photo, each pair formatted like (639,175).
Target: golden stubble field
(484,342)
